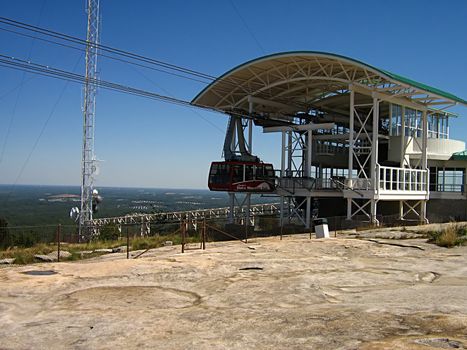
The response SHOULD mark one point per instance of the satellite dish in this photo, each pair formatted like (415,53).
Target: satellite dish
(95,169)
(95,166)
(74,213)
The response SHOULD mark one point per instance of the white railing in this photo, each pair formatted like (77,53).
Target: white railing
(393,179)
(402,179)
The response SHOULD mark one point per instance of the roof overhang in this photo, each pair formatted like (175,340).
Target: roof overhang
(292,82)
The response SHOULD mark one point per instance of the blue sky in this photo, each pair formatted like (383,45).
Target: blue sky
(145,143)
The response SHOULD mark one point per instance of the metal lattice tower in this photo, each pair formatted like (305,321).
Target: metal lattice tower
(89,108)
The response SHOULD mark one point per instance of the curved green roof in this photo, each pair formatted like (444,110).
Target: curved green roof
(426,87)
(387,74)
(459,155)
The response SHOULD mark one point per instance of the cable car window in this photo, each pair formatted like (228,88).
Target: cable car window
(248,172)
(213,173)
(269,171)
(260,172)
(219,173)
(237,173)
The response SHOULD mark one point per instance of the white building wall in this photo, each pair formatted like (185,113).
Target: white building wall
(440,149)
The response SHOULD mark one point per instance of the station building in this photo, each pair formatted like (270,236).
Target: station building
(356,141)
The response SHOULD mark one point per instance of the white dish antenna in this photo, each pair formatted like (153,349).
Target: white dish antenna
(74,213)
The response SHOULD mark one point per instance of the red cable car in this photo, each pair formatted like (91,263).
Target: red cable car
(240,176)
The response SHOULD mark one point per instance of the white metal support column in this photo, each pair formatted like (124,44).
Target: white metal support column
(390,119)
(283,155)
(288,171)
(403,156)
(374,160)
(363,148)
(309,140)
(307,172)
(351,149)
(424,164)
(405,160)
(289,153)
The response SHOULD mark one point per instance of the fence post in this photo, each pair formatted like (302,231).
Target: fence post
(127,243)
(246,227)
(183,237)
(335,226)
(204,234)
(58,241)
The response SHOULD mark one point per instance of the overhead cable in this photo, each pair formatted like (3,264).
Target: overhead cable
(102,47)
(28,66)
(181,71)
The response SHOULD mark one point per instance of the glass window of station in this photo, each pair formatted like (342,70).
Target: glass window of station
(438,123)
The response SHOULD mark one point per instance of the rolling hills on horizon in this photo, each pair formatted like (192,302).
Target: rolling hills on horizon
(25,205)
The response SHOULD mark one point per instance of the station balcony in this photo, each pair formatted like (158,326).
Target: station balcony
(393,184)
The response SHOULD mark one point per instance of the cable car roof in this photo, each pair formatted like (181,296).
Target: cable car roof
(291,82)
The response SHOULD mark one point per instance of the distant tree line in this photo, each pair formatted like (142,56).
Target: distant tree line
(10,237)
(5,239)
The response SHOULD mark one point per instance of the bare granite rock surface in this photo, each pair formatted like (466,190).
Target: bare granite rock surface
(53,256)
(295,293)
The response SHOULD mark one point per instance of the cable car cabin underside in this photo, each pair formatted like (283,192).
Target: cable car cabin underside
(237,176)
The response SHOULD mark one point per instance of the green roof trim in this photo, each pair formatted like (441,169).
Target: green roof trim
(425,87)
(388,74)
(459,155)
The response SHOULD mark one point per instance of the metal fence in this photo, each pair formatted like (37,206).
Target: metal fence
(128,237)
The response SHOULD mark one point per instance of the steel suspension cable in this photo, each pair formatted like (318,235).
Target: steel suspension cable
(28,66)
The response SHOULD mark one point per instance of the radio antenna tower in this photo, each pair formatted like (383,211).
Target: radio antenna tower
(88,161)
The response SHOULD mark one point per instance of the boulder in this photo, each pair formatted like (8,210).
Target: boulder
(103,250)
(121,249)
(7,261)
(85,252)
(63,254)
(45,258)
(53,256)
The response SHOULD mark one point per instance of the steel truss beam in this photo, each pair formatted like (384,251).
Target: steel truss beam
(367,208)
(363,149)
(193,217)
(296,164)
(295,173)
(417,208)
(299,80)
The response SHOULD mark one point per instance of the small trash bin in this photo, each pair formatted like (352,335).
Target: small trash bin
(321,228)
